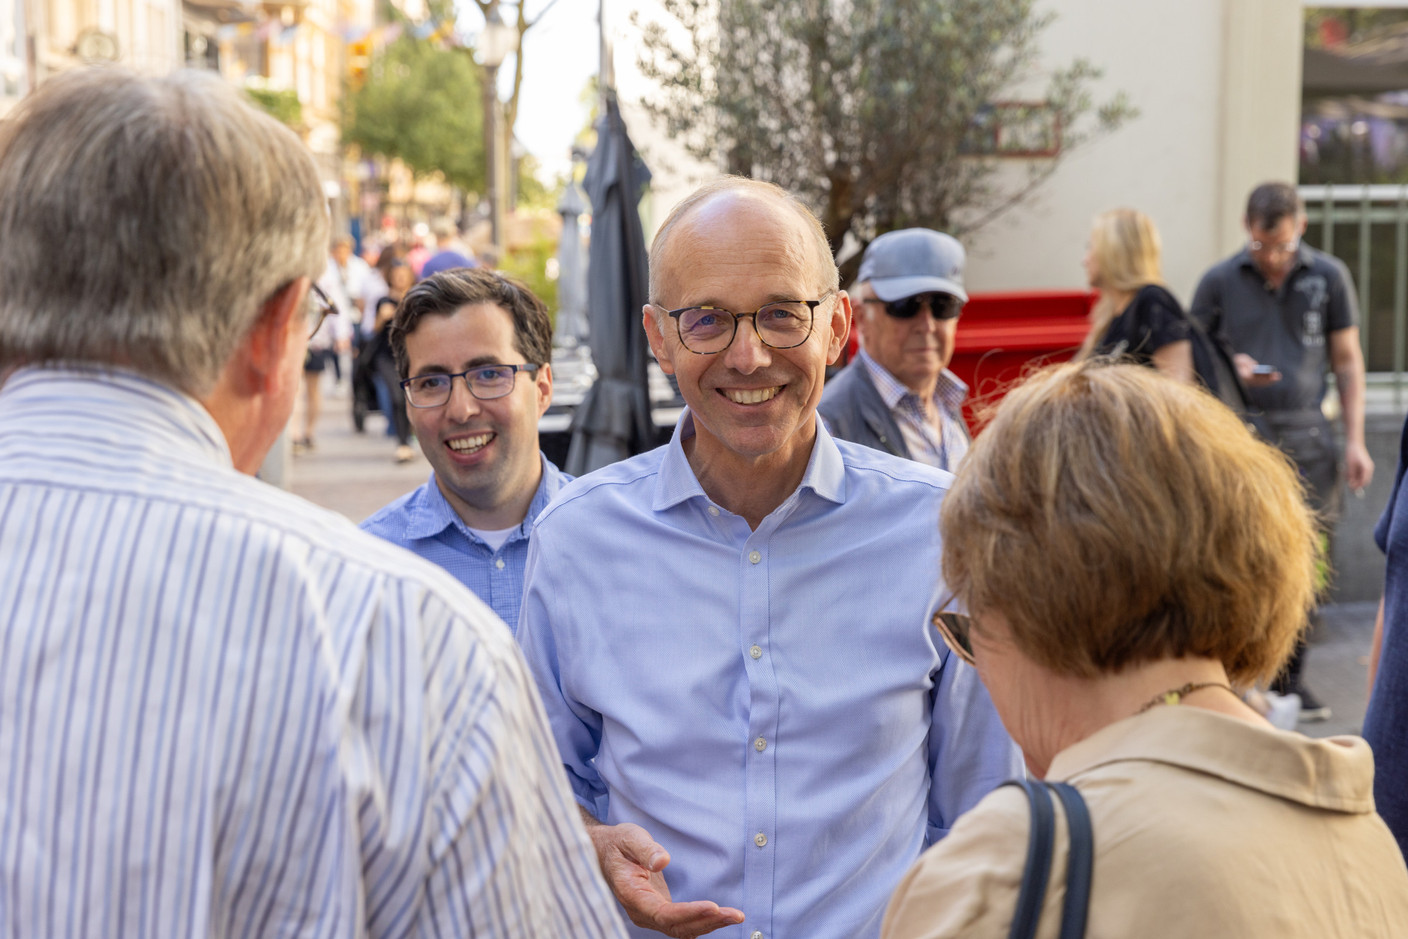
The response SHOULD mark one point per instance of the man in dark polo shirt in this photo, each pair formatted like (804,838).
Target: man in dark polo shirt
(1289,313)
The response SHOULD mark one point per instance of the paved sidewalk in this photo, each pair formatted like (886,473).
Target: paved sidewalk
(352,473)
(356,474)
(1337,666)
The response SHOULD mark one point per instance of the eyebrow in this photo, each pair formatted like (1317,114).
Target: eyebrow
(772,298)
(476,362)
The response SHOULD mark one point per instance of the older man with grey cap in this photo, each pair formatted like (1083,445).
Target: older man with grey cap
(898,395)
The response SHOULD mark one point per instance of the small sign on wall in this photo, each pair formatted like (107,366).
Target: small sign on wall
(1022,129)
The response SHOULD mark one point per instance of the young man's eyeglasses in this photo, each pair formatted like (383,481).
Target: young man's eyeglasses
(322,307)
(784,324)
(943,306)
(957,632)
(485,382)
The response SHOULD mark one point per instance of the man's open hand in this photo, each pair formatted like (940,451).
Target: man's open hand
(631,862)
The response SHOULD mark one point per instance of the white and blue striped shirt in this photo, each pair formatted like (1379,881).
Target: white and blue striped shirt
(226,712)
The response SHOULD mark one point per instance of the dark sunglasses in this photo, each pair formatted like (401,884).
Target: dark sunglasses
(957,630)
(943,306)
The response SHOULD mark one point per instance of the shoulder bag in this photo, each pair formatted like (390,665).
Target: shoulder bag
(1079,860)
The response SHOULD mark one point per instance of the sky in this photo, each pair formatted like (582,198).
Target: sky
(560,56)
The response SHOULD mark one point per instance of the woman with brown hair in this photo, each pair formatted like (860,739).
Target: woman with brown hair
(1135,316)
(1130,554)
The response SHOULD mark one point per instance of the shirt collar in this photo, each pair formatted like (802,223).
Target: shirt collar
(431,513)
(113,398)
(1303,259)
(1334,774)
(948,392)
(825,474)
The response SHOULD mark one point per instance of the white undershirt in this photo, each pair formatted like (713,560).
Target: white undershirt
(494,538)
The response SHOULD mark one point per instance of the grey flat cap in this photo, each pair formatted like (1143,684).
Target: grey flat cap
(903,263)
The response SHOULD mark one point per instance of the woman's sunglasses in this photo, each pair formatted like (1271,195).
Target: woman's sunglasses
(942,306)
(957,630)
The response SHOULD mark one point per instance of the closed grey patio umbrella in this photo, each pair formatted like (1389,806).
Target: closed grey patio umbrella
(613,421)
(572,269)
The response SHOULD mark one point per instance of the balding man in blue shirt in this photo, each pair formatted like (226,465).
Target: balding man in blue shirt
(732,632)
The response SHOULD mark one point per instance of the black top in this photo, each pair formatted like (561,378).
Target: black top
(1286,327)
(1152,320)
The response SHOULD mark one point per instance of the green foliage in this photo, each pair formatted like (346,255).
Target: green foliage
(864,108)
(529,264)
(282,104)
(533,193)
(421,104)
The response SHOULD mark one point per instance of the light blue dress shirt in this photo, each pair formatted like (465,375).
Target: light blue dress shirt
(423,522)
(772,706)
(225,712)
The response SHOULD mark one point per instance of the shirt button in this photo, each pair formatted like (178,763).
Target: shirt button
(756,652)
(760,744)
(754,556)
(499,563)
(760,839)
(714,511)
(756,935)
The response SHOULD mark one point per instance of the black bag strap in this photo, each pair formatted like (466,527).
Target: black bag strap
(1080,860)
(1038,867)
(1040,845)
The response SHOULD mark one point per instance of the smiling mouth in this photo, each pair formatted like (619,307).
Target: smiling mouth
(752,395)
(469,444)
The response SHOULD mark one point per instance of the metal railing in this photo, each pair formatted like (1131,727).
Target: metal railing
(1366,226)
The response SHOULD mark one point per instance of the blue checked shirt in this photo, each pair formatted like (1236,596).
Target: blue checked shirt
(942,446)
(772,706)
(225,712)
(424,522)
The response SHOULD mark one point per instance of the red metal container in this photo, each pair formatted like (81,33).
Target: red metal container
(1004,336)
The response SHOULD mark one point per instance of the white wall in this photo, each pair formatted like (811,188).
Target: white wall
(1217,84)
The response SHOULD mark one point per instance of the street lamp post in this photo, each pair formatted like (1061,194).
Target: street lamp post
(496,41)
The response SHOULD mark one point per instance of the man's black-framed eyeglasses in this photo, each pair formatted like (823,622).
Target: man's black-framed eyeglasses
(943,306)
(957,632)
(322,307)
(485,382)
(782,324)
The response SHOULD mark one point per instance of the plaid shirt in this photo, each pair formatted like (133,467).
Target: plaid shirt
(943,445)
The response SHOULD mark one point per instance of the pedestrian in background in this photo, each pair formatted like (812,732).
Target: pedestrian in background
(898,394)
(1135,315)
(1289,313)
(225,711)
(378,359)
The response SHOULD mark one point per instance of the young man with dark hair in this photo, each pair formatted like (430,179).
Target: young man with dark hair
(474,351)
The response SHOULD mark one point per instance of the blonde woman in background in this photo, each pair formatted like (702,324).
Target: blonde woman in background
(1135,316)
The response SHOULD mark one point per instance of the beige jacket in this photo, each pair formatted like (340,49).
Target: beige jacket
(1204,826)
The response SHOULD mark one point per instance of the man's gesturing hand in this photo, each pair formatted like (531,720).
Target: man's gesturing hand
(631,862)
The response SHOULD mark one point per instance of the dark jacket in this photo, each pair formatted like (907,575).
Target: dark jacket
(854,411)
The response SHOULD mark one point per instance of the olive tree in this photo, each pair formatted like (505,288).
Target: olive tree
(882,114)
